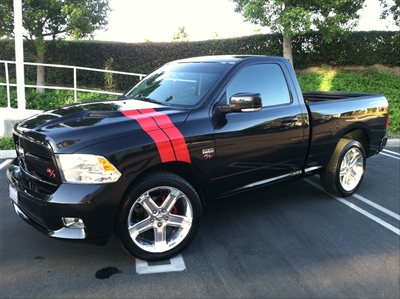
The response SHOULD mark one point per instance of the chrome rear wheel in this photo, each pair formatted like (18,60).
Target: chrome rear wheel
(346,168)
(351,169)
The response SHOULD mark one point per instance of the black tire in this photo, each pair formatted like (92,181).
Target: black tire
(346,168)
(159,217)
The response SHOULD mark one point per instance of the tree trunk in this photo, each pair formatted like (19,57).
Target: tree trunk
(40,72)
(287,49)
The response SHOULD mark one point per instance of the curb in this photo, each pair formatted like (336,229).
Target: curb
(7,154)
(11,153)
(393,142)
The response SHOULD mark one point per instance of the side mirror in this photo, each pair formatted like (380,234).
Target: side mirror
(243,102)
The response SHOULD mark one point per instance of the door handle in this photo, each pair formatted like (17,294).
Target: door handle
(292,119)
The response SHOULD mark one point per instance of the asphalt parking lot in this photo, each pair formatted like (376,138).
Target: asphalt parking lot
(284,241)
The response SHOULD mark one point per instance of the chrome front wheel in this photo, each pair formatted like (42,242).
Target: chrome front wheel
(159,217)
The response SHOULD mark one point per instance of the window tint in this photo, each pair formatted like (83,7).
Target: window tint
(266,79)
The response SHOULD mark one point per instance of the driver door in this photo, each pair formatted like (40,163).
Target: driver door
(255,148)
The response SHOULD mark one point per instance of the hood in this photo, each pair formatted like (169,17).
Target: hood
(73,127)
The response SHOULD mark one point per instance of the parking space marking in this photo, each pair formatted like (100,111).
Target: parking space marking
(390,154)
(378,207)
(175,264)
(5,163)
(358,209)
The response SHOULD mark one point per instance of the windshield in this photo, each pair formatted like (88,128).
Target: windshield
(181,84)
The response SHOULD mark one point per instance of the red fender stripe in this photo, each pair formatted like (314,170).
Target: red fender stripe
(159,137)
(176,137)
(169,140)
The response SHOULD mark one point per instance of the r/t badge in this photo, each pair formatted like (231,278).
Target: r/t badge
(208,153)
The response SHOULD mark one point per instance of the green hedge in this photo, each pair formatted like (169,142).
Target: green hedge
(358,48)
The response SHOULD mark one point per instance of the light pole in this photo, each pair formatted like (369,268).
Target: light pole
(19,53)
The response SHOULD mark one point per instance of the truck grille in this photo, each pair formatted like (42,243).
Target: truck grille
(37,163)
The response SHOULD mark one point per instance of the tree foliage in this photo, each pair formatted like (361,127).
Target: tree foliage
(55,19)
(47,21)
(391,8)
(296,17)
(181,35)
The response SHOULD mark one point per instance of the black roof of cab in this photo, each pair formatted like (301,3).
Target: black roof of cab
(232,59)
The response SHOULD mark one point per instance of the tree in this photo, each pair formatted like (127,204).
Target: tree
(393,9)
(48,21)
(181,35)
(294,17)
(215,35)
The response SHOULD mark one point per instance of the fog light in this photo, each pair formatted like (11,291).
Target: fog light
(72,222)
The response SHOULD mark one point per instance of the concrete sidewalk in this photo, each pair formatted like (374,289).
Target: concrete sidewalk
(10,116)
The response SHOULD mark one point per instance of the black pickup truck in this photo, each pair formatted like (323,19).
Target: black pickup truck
(145,164)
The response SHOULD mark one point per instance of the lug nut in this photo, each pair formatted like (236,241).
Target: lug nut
(159,224)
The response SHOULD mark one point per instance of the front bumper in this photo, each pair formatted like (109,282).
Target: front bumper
(95,205)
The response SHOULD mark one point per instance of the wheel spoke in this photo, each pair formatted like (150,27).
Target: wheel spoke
(346,158)
(355,175)
(147,203)
(160,239)
(180,221)
(345,179)
(354,158)
(171,199)
(343,169)
(139,228)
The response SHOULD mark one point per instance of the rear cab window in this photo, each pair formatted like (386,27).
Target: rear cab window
(266,79)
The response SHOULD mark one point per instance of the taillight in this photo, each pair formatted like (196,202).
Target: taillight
(387,119)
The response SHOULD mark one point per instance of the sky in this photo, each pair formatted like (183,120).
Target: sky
(158,20)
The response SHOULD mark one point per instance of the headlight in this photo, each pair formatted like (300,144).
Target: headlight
(87,169)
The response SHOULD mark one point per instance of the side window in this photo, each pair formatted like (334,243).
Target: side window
(266,79)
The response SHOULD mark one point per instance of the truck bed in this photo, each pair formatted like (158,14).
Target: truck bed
(317,96)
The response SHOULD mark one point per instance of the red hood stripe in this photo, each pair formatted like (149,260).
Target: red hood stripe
(176,137)
(169,140)
(159,137)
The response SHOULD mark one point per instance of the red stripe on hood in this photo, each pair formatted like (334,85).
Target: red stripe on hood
(169,140)
(176,137)
(161,140)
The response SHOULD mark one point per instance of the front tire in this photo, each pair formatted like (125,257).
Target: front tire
(346,168)
(159,217)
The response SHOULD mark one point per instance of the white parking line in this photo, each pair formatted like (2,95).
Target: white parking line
(378,207)
(391,152)
(173,265)
(5,163)
(358,209)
